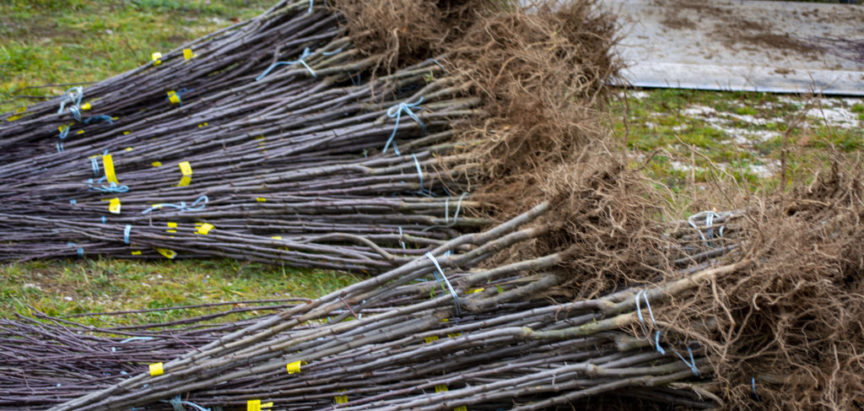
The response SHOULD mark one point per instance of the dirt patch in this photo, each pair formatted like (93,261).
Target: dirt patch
(678,22)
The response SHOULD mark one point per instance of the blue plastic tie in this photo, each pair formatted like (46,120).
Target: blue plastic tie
(182,205)
(458,208)
(73,201)
(126,232)
(64,131)
(402,243)
(691,363)
(301,60)
(104,118)
(396,112)
(112,188)
(709,222)
(72,96)
(419,171)
(331,53)
(311,3)
(94,164)
(104,220)
(442,279)
(753,385)
(59,147)
(80,250)
(178,404)
(130,339)
(439,64)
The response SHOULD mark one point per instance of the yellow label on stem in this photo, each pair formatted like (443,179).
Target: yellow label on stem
(108,162)
(293,367)
(173,97)
(475,291)
(461,408)
(340,399)
(256,405)
(430,339)
(169,254)
(187,54)
(136,252)
(261,200)
(86,106)
(186,170)
(114,206)
(156,369)
(157,58)
(126,133)
(276,237)
(80,132)
(440,388)
(205,228)
(156,164)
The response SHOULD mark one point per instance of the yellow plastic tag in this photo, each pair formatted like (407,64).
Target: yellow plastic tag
(173,97)
(172,226)
(114,206)
(186,170)
(19,111)
(156,164)
(461,408)
(86,106)
(156,369)
(80,132)
(276,237)
(340,399)
(126,133)
(294,367)
(430,339)
(475,291)
(205,228)
(261,200)
(108,162)
(169,254)
(204,124)
(129,148)
(187,54)
(157,58)
(454,335)
(256,405)
(440,388)
(136,252)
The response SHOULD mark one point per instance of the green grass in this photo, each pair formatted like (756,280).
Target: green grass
(72,41)
(690,133)
(63,287)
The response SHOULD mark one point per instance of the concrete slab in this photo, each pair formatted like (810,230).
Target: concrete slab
(787,47)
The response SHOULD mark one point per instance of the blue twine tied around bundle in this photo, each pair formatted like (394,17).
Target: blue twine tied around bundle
(177,404)
(72,96)
(442,279)
(80,250)
(94,164)
(301,60)
(753,385)
(126,232)
(181,206)
(709,222)
(112,188)
(396,112)
(644,295)
(104,118)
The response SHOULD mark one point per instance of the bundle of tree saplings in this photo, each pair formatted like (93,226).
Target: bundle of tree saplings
(273,140)
(446,330)
(48,360)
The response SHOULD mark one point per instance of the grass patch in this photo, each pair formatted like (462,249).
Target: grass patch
(51,42)
(63,287)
